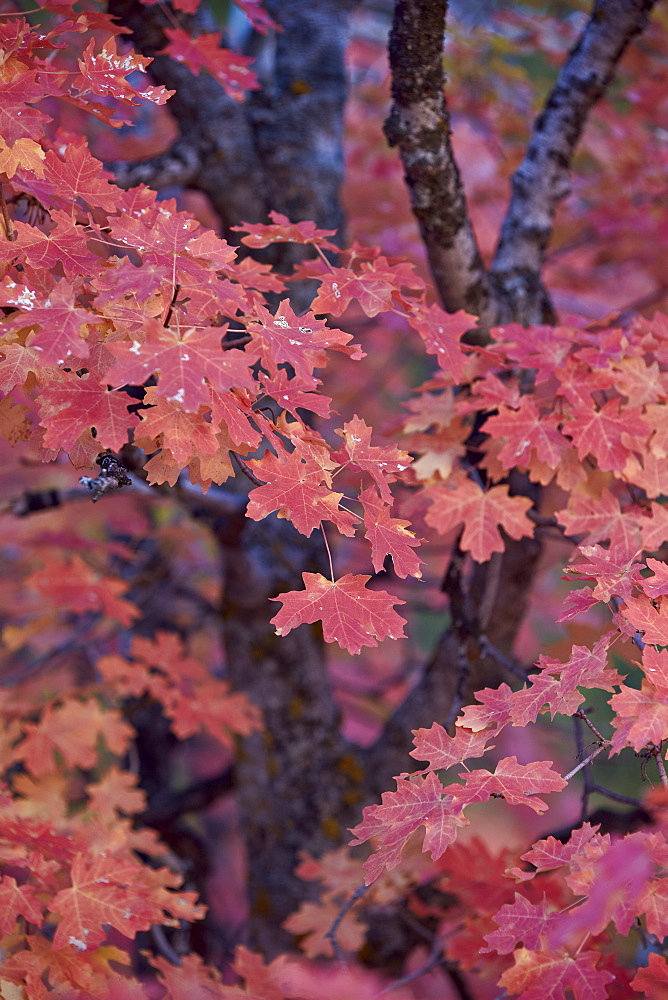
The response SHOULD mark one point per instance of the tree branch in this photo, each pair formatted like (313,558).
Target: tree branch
(419,124)
(180,164)
(542,179)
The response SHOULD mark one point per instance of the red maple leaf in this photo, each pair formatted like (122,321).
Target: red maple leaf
(339,286)
(16,364)
(417,802)
(350,614)
(17,900)
(382,464)
(17,119)
(550,853)
(615,570)
(609,434)
(183,434)
(108,73)
(463,501)
(600,518)
(526,429)
(442,750)
(72,730)
(100,895)
(656,585)
(519,784)
(495,709)
(184,358)
(230,69)
(69,406)
(652,980)
(73,177)
(388,536)
(442,333)
(60,323)
(647,618)
(299,488)
(66,245)
(297,340)
(521,922)
(641,716)
(70,583)
(540,975)
(257,15)
(281,230)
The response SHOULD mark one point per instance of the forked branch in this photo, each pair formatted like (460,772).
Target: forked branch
(419,125)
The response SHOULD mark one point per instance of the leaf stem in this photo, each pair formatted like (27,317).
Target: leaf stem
(588,760)
(10,232)
(329,554)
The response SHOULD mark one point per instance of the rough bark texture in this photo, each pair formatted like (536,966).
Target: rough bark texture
(542,180)
(419,124)
(299,783)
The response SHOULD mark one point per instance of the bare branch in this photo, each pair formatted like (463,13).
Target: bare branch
(330,935)
(180,164)
(542,179)
(419,124)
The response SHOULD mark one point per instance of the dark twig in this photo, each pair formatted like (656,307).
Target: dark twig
(163,945)
(330,935)
(582,715)
(488,649)
(242,467)
(578,719)
(10,232)
(626,800)
(170,309)
(239,342)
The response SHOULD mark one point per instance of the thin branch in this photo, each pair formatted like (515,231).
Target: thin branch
(582,715)
(330,935)
(626,800)
(241,465)
(488,649)
(163,945)
(585,762)
(419,124)
(542,179)
(179,165)
(10,232)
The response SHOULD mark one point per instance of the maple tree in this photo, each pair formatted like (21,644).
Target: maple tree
(212,497)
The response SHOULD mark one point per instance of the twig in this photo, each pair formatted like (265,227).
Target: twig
(10,232)
(163,945)
(581,714)
(578,718)
(588,760)
(170,309)
(242,467)
(330,935)
(662,767)
(239,342)
(615,796)
(488,649)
